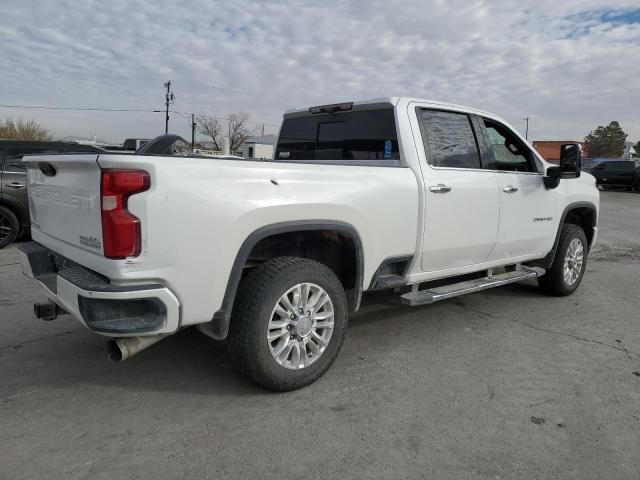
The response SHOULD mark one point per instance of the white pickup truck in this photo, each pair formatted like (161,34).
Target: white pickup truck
(431,199)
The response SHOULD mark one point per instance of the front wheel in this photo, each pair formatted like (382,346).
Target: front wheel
(569,263)
(288,323)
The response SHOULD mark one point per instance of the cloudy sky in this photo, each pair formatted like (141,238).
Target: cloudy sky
(571,65)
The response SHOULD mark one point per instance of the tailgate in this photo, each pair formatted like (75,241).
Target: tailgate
(64,199)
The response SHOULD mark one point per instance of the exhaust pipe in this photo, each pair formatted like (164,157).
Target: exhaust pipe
(119,349)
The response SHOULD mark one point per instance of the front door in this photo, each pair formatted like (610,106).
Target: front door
(528,210)
(462,199)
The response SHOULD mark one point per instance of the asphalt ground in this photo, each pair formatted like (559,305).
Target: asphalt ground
(506,383)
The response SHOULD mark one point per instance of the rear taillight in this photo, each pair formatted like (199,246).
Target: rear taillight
(121,236)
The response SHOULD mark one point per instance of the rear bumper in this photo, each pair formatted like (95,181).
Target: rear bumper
(103,307)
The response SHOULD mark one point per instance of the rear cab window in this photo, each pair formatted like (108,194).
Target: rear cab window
(358,137)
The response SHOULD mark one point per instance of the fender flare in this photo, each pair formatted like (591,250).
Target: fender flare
(547,261)
(219,325)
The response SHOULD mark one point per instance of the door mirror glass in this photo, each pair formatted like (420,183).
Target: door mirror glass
(570,160)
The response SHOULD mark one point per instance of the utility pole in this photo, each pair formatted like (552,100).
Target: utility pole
(526,135)
(169,97)
(193,131)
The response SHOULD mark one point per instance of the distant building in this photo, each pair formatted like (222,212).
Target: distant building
(550,149)
(630,152)
(259,147)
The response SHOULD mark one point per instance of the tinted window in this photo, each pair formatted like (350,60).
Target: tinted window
(451,140)
(507,150)
(360,135)
(14,157)
(623,166)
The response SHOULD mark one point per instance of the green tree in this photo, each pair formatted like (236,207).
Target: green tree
(606,141)
(23,130)
(636,147)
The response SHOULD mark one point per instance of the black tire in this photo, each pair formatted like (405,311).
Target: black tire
(9,227)
(636,185)
(553,282)
(257,296)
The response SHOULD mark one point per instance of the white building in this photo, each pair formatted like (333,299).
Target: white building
(259,147)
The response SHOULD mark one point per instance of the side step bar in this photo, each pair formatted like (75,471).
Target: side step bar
(424,297)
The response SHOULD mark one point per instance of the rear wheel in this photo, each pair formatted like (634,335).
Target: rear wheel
(288,323)
(569,263)
(9,227)
(636,185)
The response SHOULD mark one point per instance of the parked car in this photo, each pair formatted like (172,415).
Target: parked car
(272,255)
(14,209)
(617,174)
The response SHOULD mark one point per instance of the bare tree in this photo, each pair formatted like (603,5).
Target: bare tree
(211,128)
(238,129)
(23,130)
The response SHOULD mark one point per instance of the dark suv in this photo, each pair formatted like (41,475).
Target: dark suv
(618,174)
(14,207)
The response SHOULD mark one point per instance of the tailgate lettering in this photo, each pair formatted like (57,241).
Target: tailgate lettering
(61,198)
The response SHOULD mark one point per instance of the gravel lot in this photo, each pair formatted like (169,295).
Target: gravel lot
(503,384)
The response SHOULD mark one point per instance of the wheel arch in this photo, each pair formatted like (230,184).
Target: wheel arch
(583,214)
(219,326)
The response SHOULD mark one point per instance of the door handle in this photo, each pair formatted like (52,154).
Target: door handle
(509,189)
(15,185)
(440,188)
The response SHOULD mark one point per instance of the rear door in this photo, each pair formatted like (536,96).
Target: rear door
(462,200)
(624,173)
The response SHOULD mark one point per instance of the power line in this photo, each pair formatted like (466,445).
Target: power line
(137,110)
(187,115)
(83,109)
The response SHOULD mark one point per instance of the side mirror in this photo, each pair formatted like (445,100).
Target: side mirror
(570,160)
(552,179)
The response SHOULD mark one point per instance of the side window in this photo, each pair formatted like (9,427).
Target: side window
(450,139)
(14,162)
(509,154)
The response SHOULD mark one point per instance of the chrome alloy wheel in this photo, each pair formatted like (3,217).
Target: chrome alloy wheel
(573,261)
(300,326)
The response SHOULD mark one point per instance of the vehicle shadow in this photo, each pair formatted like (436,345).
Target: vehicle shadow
(191,363)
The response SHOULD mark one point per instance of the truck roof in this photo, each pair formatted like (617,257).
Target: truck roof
(395,101)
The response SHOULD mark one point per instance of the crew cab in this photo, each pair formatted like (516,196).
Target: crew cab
(430,199)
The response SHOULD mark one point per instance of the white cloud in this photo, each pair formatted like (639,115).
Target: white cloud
(563,63)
